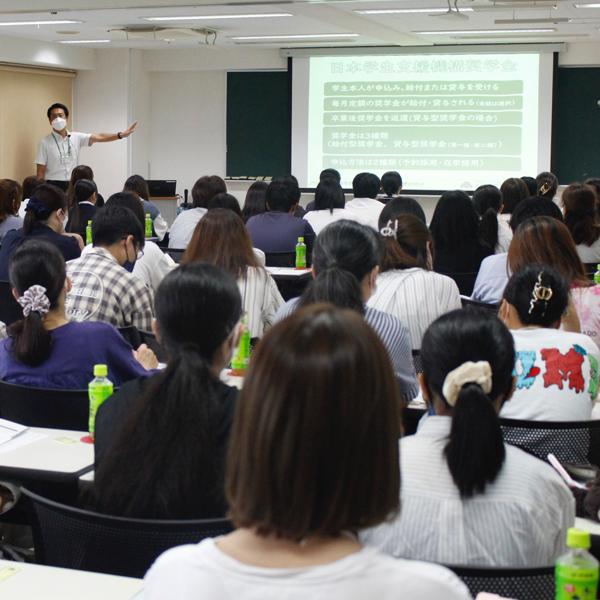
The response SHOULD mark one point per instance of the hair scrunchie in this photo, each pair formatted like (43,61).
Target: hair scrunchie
(35,300)
(470,372)
(35,204)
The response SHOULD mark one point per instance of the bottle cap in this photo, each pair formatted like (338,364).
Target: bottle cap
(100,370)
(148,216)
(578,538)
(89,223)
(301,239)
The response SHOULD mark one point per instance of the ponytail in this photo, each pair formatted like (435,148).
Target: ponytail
(336,286)
(83,190)
(488,228)
(475,451)
(45,200)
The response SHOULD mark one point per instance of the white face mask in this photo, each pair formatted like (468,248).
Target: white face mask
(64,224)
(59,124)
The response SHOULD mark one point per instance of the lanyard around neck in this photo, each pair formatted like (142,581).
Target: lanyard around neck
(68,142)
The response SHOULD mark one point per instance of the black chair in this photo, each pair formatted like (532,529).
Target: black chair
(569,441)
(79,539)
(10,309)
(475,306)
(535,583)
(149,338)
(42,407)
(280,259)
(174,253)
(131,335)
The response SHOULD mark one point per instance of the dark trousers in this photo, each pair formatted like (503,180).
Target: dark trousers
(63,185)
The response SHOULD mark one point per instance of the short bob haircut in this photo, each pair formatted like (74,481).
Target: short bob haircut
(205,189)
(401,205)
(11,194)
(308,455)
(366,185)
(329,195)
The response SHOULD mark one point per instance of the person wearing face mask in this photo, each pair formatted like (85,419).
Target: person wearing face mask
(58,152)
(46,218)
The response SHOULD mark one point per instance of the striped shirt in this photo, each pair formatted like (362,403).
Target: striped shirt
(415,296)
(260,299)
(521,519)
(395,339)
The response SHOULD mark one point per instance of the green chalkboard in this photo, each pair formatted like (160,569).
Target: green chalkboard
(258,124)
(576,124)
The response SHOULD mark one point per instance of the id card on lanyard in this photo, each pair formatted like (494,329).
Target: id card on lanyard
(65,159)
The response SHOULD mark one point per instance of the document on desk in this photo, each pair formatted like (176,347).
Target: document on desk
(10,430)
(287,271)
(26,437)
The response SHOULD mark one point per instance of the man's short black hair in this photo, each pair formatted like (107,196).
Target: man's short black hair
(282,194)
(538,206)
(366,185)
(113,223)
(58,105)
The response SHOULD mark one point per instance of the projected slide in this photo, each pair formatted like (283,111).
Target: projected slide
(442,121)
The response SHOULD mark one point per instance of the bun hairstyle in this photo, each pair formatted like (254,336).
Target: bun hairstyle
(35,263)
(406,238)
(539,293)
(46,199)
(488,202)
(547,184)
(475,450)
(391,182)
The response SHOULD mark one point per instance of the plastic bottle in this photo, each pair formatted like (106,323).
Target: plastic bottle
(99,389)
(597,275)
(240,363)
(148,226)
(300,254)
(88,233)
(576,571)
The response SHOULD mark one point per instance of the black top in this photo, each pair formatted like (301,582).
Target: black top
(68,246)
(86,212)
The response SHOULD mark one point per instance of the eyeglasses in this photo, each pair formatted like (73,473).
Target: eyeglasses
(139,253)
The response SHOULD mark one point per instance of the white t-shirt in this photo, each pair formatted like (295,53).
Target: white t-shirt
(319,219)
(505,235)
(60,156)
(589,254)
(364,210)
(153,266)
(203,572)
(183,227)
(557,376)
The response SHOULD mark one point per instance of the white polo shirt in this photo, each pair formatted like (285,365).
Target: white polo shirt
(60,156)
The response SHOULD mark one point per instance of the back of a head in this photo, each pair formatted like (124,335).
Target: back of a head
(593,182)
(137,184)
(402,205)
(226,201)
(546,241)
(475,450)
(35,263)
(255,202)
(534,207)
(391,182)
(82,191)
(547,184)
(45,200)
(81,172)
(330,174)
(539,293)
(455,222)
(205,189)
(281,195)
(131,201)
(292,181)
(513,191)
(30,183)
(312,372)
(366,185)
(11,194)
(114,223)
(329,195)
(579,201)
(407,242)
(531,184)
(487,200)
(337,287)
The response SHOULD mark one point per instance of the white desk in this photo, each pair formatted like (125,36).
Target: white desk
(58,456)
(289,273)
(53,583)
(588,525)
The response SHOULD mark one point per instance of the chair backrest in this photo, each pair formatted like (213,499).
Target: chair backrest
(417,363)
(174,253)
(79,539)
(10,309)
(280,259)
(535,583)
(43,407)
(149,338)
(474,305)
(569,441)
(131,335)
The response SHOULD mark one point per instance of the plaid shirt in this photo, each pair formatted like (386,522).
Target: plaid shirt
(104,291)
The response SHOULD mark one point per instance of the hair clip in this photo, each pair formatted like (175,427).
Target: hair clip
(540,292)
(545,187)
(388,230)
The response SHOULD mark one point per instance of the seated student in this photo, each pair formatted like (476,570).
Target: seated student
(557,370)
(278,230)
(226,201)
(402,205)
(221,239)
(391,185)
(467,497)
(85,194)
(46,218)
(345,265)
(493,273)
(102,289)
(295,496)
(255,202)
(455,231)
(29,184)
(488,203)
(11,194)
(532,186)
(406,286)
(161,441)
(45,349)
(325,174)
(579,208)
(364,207)
(329,205)
(547,185)
(514,191)
(137,184)
(82,172)
(293,182)
(202,193)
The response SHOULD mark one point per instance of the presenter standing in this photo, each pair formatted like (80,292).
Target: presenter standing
(58,153)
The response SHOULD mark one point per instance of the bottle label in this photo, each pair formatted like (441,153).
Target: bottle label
(97,394)
(148,227)
(300,256)
(572,583)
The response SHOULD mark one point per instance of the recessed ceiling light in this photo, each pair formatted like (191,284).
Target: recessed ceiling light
(382,11)
(296,37)
(205,17)
(486,31)
(587,5)
(68,32)
(524,21)
(84,41)
(20,23)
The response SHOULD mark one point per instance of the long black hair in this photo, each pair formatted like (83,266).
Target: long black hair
(35,262)
(455,223)
(256,200)
(475,450)
(488,202)
(45,200)
(162,462)
(83,190)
